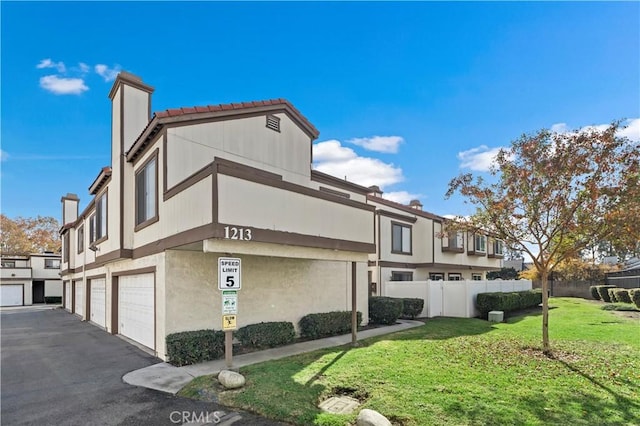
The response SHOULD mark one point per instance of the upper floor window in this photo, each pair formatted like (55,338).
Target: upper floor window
(65,246)
(146,192)
(480,243)
(101,218)
(80,239)
(52,263)
(401,276)
(454,241)
(92,228)
(8,263)
(400,238)
(498,247)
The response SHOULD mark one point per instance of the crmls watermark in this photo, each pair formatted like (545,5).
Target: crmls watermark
(180,417)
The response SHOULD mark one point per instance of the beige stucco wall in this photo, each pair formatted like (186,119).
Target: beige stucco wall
(421,240)
(137,107)
(245,203)
(273,289)
(246,141)
(53,288)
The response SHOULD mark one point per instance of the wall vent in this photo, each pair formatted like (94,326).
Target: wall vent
(273,123)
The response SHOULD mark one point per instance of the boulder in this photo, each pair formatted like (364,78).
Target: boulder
(368,417)
(231,379)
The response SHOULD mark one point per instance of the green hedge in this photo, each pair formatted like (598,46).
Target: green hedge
(53,299)
(385,310)
(191,347)
(507,302)
(411,308)
(314,326)
(622,295)
(266,334)
(635,296)
(594,292)
(612,294)
(603,291)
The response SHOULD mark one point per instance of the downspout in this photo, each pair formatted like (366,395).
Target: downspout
(378,250)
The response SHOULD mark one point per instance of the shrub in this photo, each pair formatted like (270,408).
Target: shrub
(266,334)
(622,295)
(385,310)
(190,347)
(594,292)
(314,326)
(603,291)
(411,308)
(52,299)
(619,307)
(635,297)
(612,294)
(507,302)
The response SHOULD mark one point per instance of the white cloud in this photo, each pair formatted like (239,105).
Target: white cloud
(478,159)
(109,74)
(84,68)
(48,63)
(402,197)
(62,85)
(385,144)
(560,128)
(632,131)
(332,158)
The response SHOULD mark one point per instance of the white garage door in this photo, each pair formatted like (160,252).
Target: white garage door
(98,302)
(136,308)
(67,297)
(11,295)
(79,298)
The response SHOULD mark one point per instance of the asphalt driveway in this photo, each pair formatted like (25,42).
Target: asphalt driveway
(57,370)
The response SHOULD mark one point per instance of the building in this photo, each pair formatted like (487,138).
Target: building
(412,245)
(26,279)
(188,186)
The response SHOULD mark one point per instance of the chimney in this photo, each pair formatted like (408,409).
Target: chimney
(130,109)
(69,208)
(375,191)
(415,204)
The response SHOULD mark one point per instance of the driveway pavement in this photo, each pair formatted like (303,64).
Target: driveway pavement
(57,370)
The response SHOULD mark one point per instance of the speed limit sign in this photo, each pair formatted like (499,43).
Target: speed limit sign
(229,273)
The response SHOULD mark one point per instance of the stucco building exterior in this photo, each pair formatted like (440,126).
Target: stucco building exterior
(413,245)
(187,186)
(26,279)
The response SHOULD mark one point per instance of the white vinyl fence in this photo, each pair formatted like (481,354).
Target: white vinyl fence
(450,298)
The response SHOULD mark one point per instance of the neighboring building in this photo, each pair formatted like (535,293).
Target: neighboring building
(27,279)
(412,245)
(187,186)
(628,277)
(517,264)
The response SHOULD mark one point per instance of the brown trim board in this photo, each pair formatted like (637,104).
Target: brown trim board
(397,216)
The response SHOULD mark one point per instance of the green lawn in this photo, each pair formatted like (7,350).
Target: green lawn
(455,371)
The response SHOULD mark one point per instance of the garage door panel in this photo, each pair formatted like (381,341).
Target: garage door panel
(79,299)
(98,302)
(136,308)
(67,297)
(11,295)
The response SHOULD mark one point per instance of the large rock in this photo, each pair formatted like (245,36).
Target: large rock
(368,417)
(231,379)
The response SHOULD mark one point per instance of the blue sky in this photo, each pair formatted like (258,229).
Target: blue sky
(405,95)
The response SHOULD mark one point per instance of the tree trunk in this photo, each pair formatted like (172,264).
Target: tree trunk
(546,348)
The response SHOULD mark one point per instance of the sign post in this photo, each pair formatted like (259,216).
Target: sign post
(229,283)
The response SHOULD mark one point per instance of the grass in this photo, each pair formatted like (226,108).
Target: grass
(455,371)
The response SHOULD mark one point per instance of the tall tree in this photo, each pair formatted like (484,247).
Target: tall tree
(552,194)
(29,235)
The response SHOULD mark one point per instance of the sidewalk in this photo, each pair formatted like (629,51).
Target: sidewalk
(168,378)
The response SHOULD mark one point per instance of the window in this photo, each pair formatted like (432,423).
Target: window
(81,239)
(65,246)
(52,263)
(476,277)
(436,276)
(146,192)
(498,248)
(480,243)
(8,263)
(101,218)
(92,228)
(453,242)
(401,276)
(400,238)
(454,276)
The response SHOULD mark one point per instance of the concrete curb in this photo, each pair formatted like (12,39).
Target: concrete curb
(165,377)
